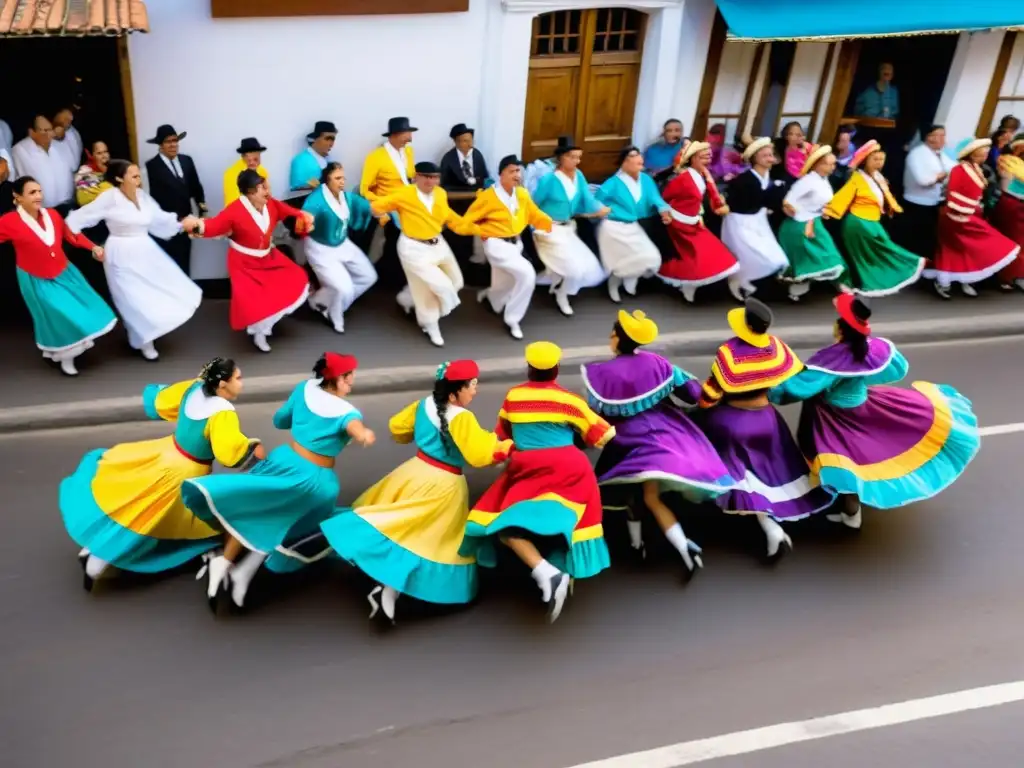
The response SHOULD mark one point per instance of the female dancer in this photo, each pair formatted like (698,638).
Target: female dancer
(793,150)
(877,266)
(344,271)
(548,488)
(811,251)
(90,179)
(265,284)
(1008,216)
(970,249)
(746,230)
(700,258)
(151,293)
(564,195)
(752,438)
(405,531)
(67,313)
(882,446)
(656,446)
(277,507)
(123,504)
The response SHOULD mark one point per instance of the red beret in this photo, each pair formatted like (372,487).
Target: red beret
(462,370)
(339,365)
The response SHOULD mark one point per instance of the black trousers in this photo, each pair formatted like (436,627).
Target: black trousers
(390,274)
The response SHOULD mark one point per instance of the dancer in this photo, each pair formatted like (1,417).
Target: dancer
(277,507)
(970,249)
(344,271)
(123,504)
(1008,216)
(746,230)
(405,531)
(265,284)
(876,265)
(656,446)
(877,445)
(627,253)
(700,258)
(67,314)
(151,293)
(430,266)
(773,481)
(548,488)
(564,195)
(812,253)
(502,212)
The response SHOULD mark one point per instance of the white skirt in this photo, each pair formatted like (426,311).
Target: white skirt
(151,293)
(568,259)
(750,238)
(626,250)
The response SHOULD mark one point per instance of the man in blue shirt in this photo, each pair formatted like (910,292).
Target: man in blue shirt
(882,99)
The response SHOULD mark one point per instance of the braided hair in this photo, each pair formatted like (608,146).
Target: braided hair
(443,390)
(215,372)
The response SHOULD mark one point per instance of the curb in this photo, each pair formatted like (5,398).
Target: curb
(262,389)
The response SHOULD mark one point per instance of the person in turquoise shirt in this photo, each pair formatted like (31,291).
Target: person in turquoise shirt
(310,162)
(344,271)
(627,253)
(880,99)
(661,155)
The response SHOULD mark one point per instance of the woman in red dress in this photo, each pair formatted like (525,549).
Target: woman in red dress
(1008,216)
(265,284)
(970,249)
(700,259)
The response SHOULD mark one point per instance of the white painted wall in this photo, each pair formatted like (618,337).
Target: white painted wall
(697,19)
(731,86)
(967,85)
(804,80)
(1011,94)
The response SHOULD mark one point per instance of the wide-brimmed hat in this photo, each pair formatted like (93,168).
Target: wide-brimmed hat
(855,311)
(1016,141)
(164,132)
(458,129)
(689,150)
(399,125)
(969,145)
(638,326)
(817,153)
(753,146)
(321,127)
(741,318)
(250,144)
(864,152)
(565,144)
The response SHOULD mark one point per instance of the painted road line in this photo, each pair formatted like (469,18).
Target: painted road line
(1001,429)
(759,739)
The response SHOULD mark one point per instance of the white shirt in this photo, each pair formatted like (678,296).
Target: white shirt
(569,185)
(320,159)
(923,165)
(337,204)
(398,157)
(809,196)
(52,169)
(633,185)
(74,140)
(471,179)
(510,200)
(174,165)
(427,200)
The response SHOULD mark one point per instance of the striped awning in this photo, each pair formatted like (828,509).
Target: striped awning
(72,18)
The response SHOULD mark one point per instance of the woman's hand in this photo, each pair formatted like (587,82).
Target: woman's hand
(809,230)
(259,452)
(97,253)
(788,209)
(603,212)
(189,223)
(367,438)
(666,218)
(723,211)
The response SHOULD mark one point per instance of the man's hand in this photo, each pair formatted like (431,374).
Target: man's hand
(97,253)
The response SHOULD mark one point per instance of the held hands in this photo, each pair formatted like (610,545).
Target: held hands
(197,228)
(189,223)
(788,209)
(367,438)
(603,212)
(97,253)
(384,220)
(307,217)
(723,211)
(666,217)
(260,452)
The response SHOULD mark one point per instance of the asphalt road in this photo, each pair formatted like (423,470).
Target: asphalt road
(925,600)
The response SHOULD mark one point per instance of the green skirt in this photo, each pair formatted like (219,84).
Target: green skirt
(878,267)
(810,258)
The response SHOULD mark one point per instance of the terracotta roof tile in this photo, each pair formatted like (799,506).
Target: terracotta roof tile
(72,18)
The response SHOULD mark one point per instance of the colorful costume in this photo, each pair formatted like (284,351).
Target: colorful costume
(405,531)
(1008,215)
(886,445)
(123,505)
(67,314)
(746,230)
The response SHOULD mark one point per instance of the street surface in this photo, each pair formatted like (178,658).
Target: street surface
(381,336)
(926,600)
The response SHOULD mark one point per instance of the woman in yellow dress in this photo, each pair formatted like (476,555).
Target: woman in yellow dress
(406,530)
(123,505)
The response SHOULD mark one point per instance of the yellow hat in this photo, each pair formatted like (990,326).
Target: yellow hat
(753,146)
(543,355)
(689,150)
(638,326)
(817,153)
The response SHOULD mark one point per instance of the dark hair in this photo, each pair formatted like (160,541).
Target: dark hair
(94,142)
(40,116)
(626,345)
(116,170)
(536,374)
(627,151)
(780,142)
(21,182)
(218,370)
(321,366)
(330,168)
(248,180)
(670,121)
(443,389)
(1006,120)
(930,129)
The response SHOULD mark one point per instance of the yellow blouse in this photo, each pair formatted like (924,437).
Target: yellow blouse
(479,447)
(230,446)
(231,192)
(416,221)
(380,177)
(496,220)
(860,197)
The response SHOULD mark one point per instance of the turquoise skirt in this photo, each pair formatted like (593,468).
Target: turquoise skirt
(275,508)
(65,311)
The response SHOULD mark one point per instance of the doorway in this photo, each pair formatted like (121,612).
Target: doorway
(584,73)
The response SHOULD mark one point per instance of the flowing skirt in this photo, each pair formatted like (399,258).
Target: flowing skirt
(1008,218)
(878,267)
(969,251)
(124,504)
(565,256)
(405,533)
(548,492)
(626,250)
(263,290)
(898,447)
(759,451)
(749,237)
(67,314)
(700,258)
(810,258)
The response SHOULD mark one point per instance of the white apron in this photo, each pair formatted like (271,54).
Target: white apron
(568,259)
(626,250)
(750,238)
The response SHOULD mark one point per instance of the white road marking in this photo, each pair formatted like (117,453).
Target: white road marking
(1001,429)
(759,739)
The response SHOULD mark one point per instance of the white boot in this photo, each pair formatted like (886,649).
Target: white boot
(942,290)
(405,301)
(260,340)
(629,285)
(433,332)
(218,577)
(67,367)
(562,300)
(1019,282)
(689,292)
(388,599)
(736,289)
(614,283)
(968,290)
(796,290)
(554,588)
(94,568)
(515,331)
(242,575)
(149,352)
(687,549)
(850,516)
(775,535)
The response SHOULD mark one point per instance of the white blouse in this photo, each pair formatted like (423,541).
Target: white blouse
(809,196)
(124,218)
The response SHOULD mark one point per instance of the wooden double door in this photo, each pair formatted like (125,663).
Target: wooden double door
(584,71)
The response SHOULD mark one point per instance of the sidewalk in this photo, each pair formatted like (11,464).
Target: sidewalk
(394,354)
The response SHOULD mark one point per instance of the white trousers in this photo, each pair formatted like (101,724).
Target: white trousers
(568,259)
(434,278)
(345,274)
(513,279)
(626,250)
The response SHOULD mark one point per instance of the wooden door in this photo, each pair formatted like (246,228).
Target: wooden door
(584,71)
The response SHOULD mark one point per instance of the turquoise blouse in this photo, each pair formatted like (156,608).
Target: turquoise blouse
(550,197)
(427,435)
(839,391)
(615,194)
(304,168)
(318,420)
(188,433)
(328,228)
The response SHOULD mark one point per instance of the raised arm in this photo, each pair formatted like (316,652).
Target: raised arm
(478,446)
(92,214)
(162,401)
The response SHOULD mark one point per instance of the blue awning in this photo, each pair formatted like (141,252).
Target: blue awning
(814,19)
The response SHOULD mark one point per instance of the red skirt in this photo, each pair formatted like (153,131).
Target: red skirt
(701,258)
(970,251)
(1008,218)
(263,287)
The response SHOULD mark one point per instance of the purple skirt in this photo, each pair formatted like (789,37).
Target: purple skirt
(772,475)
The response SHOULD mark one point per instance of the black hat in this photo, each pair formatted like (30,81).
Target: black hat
(458,129)
(627,151)
(399,125)
(427,168)
(507,161)
(757,315)
(565,144)
(164,132)
(321,127)
(250,144)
